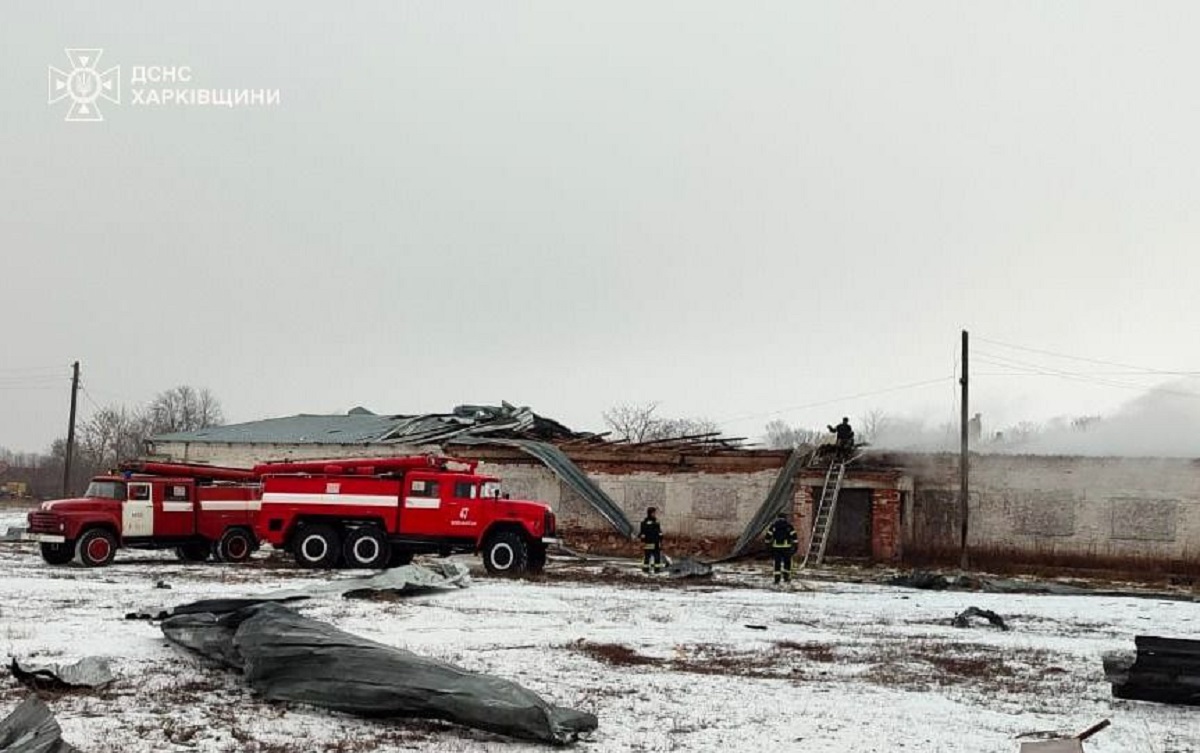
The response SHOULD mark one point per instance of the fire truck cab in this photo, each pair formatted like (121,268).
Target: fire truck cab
(198,511)
(379,512)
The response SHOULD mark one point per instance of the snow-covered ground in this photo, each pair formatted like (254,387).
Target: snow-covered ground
(665,665)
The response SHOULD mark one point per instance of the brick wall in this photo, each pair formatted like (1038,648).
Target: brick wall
(885,525)
(1094,507)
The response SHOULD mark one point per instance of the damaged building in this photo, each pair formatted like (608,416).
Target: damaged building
(711,492)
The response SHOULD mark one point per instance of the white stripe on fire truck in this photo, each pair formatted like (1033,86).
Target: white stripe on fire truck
(316,498)
(422,503)
(177,506)
(231,505)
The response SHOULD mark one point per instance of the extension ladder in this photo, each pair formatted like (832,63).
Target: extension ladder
(823,513)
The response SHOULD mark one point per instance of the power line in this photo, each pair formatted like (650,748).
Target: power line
(56,368)
(88,395)
(1031,369)
(820,403)
(1053,354)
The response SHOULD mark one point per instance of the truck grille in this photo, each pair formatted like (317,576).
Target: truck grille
(43,522)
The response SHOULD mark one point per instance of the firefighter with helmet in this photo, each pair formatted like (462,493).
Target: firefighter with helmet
(650,534)
(782,539)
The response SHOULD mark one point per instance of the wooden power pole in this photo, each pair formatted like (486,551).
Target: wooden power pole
(70,452)
(964,458)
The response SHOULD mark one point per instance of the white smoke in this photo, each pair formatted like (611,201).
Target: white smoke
(1163,422)
(905,434)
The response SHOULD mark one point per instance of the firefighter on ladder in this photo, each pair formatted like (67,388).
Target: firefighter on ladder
(781,538)
(651,536)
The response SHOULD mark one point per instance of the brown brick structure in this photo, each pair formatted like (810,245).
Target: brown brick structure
(885,525)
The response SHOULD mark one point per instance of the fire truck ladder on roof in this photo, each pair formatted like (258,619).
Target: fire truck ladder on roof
(824,512)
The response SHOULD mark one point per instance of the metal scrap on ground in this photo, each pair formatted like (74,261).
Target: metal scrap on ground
(1164,670)
(407,580)
(288,657)
(689,568)
(1064,745)
(963,618)
(32,728)
(88,672)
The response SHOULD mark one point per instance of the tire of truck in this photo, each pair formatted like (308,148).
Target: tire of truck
(58,554)
(366,547)
(193,552)
(399,557)
(506,553)
(317,547)
(96,547)
(537,558)
(235,545)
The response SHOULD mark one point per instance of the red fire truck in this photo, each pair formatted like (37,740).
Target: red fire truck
(379,512)
(199,511)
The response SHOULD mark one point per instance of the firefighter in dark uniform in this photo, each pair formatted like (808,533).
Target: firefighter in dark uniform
(845,437)
(782,540)
(651,537)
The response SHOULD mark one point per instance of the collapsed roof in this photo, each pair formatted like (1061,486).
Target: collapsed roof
(359,426)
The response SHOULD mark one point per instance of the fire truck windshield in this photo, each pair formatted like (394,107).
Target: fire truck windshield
(490,489)
(106,490)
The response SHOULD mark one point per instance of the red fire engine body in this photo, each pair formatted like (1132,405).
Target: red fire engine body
(379,512)
(197,510)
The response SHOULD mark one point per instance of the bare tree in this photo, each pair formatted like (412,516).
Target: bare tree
(782,436)
(117,432)
(184,408)
(667,428)
(113,434)
(637,423)
(872,424)
(631,422)
(1021,433)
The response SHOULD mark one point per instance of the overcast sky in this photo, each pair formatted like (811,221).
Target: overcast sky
(735,209)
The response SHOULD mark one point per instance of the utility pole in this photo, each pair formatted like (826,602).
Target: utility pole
(964,459)
(71,431)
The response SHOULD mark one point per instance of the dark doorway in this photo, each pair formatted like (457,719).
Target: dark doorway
(851,534)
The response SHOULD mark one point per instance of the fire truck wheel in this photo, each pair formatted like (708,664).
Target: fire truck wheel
(506,554)
(399,557)
(96,548)
(58,554)
(234,545)
(366,547)
(317,546)
(192,552)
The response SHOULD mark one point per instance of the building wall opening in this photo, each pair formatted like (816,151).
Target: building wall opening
(851,533)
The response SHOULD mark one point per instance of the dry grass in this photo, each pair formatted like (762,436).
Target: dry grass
(781,662)
(1093,566)
(976,668)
